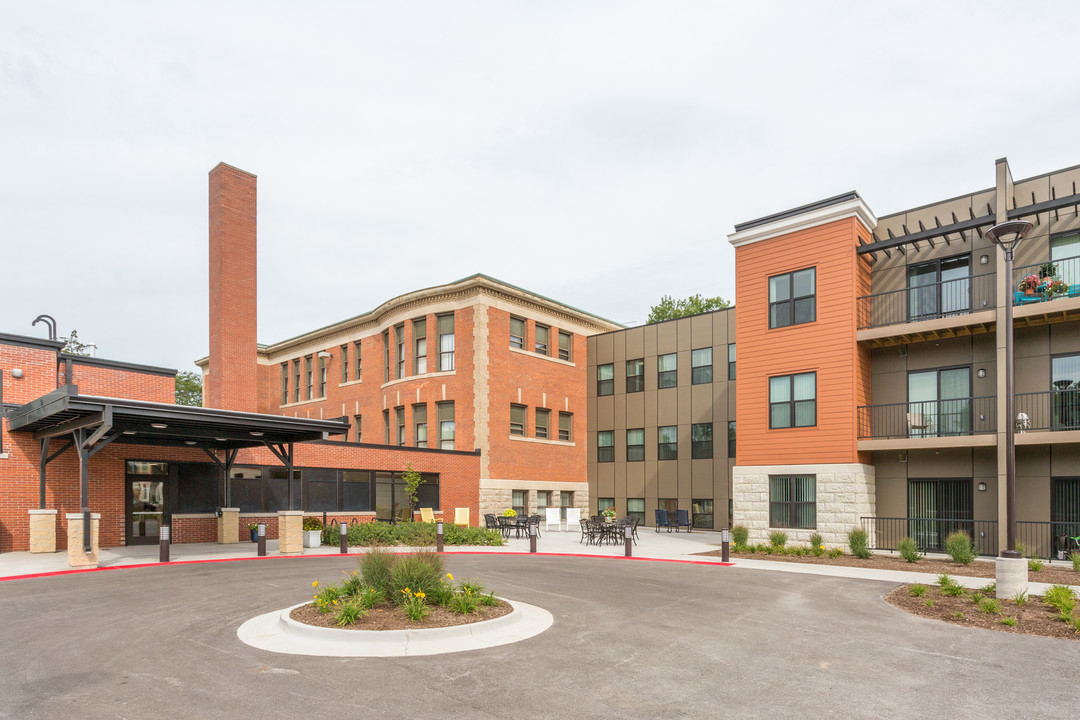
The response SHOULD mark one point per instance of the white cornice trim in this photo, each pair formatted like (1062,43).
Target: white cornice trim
(852,208)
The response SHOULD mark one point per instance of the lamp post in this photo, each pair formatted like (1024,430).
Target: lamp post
(1008,235)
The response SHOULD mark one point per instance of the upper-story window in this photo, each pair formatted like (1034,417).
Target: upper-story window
(793,400)
(386,357)
(310,378)
(939,287)
(419,416)
(399,423)
(517,333)
(635,375)
(543,418)
(1065,254)
(344,363)
(605,446)
(731,361)
(701,366)
(399,344)
(517,419)
(356,357)
(445,326)
(419,333)
(284,383)
(667,442)
(792,299)
(296,380)
(566,426)
(566,344)
(605,379)
(322,375)
(543,335)
(666,371)
(446,425)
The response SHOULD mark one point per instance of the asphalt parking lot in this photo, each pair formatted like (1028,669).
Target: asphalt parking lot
(630,639)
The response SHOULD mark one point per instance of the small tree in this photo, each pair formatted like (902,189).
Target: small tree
(189,388)
(72,346)
(669,308)
(413,480)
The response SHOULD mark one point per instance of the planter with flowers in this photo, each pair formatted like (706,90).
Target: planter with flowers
(509,512)
(609,514)
(313,528)
(1029,284)
(1056,288)
(253,530)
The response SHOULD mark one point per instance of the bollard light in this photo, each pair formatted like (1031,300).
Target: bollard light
(628,531)
(725,535)
(344,538)
(439,536)
(725,545)
(163,539)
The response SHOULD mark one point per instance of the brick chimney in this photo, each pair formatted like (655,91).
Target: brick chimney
(232,380)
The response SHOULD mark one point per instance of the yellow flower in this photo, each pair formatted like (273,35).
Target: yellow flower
(449,576)
(421,595)
(315,584)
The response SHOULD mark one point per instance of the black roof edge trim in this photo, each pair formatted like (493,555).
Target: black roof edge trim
(661,322)
(26,341)
(118,364)
(380,446)
(793,212)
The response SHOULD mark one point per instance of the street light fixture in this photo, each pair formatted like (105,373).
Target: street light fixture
(1009,235)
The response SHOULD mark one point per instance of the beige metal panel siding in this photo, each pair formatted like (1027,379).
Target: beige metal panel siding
(620,412)
(667,407)
(605,412)
(1031,341)
(701,484)
(888,388)
(1065,460)
(667,337)
(944,353)
(605,349)
(650,340)
(635,411)
(1065,338)
(634,342)
(684,483)
(634,485)
(684,415)
(701,404)
(944,463)
(684,334)
(650,409)
(667,479)
(701,334)
(618,352)
(605,480)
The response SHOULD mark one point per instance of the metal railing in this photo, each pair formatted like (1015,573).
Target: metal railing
(885,533)
(1052,410)
(1066,270)
(1047,539)
(948,298)
(954,417)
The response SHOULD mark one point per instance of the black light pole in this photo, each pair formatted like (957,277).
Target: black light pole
(1009,235)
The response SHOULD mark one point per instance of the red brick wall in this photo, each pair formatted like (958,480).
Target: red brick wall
(118,383)
(39,373)
(232,383)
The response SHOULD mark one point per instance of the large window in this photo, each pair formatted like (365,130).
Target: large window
(939,288)
(356,355)
(701,366)
(446,425)
(667,371)
(419,332)
(605,379)
(355,490)
(793,400)
(939,402)
(1065,506)
(399,345)
(543,420)
(322,375)
(566,345)
(344,363)
(701,513)
(604,503)
(933,503)
(635,375)
(701,441)
(266,489)
(399,418)
(605,446)
(542,338)
(635,445)
(419,417)
(731,361)
(517,419)
(792,502)
(792,298)
(1065,253)
(309,376)
(667,442)
(566,426)
(284,383)
(446,341)
(517,333)
(566,501)
(1065,392)
(635,508)
(296,380)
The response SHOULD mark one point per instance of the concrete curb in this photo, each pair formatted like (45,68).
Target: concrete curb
(277,632)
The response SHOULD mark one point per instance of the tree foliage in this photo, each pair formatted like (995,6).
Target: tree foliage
(189,388)
(72,346)
(413,480)
(669,308)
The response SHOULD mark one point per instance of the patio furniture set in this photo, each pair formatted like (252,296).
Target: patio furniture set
(681,519)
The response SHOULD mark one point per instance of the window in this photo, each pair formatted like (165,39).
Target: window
(322,376)
(355,490)
(566,421)
(1065,506)
(939,402)
(519,501)
(321,490)
(446,425)
(939,288)
(667,375)
(731,361)
(635,508)
(399,417)
(931,501)
(701,366)
(669,504)
(310,378)
(542,336)
(603,504)
(517,419)
(419,332)
(419,418)
(605,446)
(445,325)
(344,363)
(701,441)
(605,379)
(667,443)
(543,500)
(566,501)
(356,355)
(566,344)
(386,356)
(792,501)
(1065,392)
(791,299)
(296,380)
(635,376)
(399,344)
(701,515)
(793,400)
(635,445)
(1065,253)
(386,423)
(284,383)
(359,428)
(517,333)
(543,417)
(731,439)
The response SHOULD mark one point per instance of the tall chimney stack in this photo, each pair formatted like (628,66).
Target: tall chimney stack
(232,380)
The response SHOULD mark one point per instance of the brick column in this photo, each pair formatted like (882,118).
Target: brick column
(42,531)
(76,557)
(290,532)
(228,526)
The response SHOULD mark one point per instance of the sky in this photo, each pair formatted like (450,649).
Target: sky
(598,153)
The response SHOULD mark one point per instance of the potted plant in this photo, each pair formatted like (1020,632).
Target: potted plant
(1030,283)
(1048,271)
(313,528)
(253,529)
(609,514)
(509,512)
(1056,287)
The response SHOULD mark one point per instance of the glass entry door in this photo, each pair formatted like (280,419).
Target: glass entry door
(146,510)
(939,402)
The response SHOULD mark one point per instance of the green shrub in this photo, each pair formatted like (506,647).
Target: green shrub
(834,552)
(369,597)
(990,606)
(474,587)
(350,586)
(989,590)
(411,534)
(740,535)
(350,612)
(859,543)
(950,587)
(375,568)
(1020,597)
(929,602)
(908,549)
(1074,558)
(778,538)
(418,572)
(1035,565)
(817,544)
(1021,548)
(1010,621)
(414,602)
(326,597)
(463,603)
(917,590)
(1060,597)
(958,546)
(489,599)
(442,594)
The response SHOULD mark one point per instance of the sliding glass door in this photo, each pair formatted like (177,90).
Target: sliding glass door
(939,288)
(939,402)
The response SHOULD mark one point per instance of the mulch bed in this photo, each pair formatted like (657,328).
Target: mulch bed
(1032,618)
(1059,573)
(391,617)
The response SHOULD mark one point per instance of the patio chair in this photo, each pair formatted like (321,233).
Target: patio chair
(919,421)
(552,519)
(633,529)
(590,532)
(461,516)
(662,520)
(682,519)
(573,517)
(405,515)
(427,515)
(489,521)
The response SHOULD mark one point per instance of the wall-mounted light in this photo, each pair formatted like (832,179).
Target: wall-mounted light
(902,457)
(129,432)
(189,442)
(158,426)
(16,372)
(982,372)
(255,433)
(984,259)
(982,487)
(324,355)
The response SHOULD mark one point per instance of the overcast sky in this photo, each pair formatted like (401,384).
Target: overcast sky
(595,152)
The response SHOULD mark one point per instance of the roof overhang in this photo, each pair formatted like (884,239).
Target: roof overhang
(825,211)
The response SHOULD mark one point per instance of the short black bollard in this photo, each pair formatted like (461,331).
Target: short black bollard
(439,536)
(725,545)
(344,538)
(533,528)
(629,531)
(163,553)
(262,539)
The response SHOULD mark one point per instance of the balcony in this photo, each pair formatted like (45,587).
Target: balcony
(962,306)
(953,422)
(885,533)
(1053,411)
(1046,281)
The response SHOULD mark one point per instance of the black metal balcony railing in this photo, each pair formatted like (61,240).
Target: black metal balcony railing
(1050,540)
(934,418)
(948,298)
(885,533)
(1066,271)
(1053,410)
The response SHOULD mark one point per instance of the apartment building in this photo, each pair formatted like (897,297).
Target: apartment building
(870,384)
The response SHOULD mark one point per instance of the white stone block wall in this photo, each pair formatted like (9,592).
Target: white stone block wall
(845,493)
(496,499)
